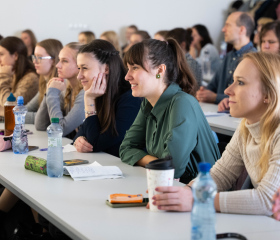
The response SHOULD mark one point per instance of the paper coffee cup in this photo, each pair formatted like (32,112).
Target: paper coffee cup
(159,173)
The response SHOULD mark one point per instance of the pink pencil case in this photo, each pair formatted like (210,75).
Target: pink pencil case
(5,142)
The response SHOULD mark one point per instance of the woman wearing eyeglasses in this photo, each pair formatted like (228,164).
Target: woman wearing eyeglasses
(45,59)
(68,106)
(17,73)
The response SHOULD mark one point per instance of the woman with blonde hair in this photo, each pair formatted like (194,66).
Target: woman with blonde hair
(255,97)
(86,37)
(63,101)
(17,73)
(112,37)
(45,58)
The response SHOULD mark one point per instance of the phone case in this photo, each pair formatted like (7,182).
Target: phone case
(122,205)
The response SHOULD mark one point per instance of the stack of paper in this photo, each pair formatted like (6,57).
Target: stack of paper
(92,171)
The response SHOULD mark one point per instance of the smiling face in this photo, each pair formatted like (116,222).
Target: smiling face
(44,66)
(67,65)
(246,94)
(6,58)
(89,67)
(144,83)
(269,42)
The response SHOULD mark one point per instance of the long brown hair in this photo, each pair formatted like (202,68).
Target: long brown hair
(69,90)
(164,52)
(268,66)
(52,47)
(22,65)
(105,53)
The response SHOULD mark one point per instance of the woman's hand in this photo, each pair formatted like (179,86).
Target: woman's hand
(223,105)
(174,199)
(98,87)
(82,145)
(276,205)
(8,69)
(57,83)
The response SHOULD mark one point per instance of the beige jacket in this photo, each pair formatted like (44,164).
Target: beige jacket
(27,86)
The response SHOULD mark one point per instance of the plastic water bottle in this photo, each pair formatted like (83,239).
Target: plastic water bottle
(223,50)
(55,156)
(203,213)
(19,142)
(206,66)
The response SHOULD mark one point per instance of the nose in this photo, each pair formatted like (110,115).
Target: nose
(80,75)
(230,90)
(58,65)
(128,76)
(266,45)
(223,29)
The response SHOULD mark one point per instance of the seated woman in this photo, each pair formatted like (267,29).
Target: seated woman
(17,73)
(269,42)
(61,101)
(45,59)
(184,38)
(202,44)
(255,97)
(160,35)
(110,109)
(112,37)
(30,41)
(170,120)
(86,37)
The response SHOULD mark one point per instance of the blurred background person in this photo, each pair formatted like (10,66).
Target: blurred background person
(270,37)
(202,46)
(30,41)
(111,37)
(160,35)
(262,21)
(86,37)
(128,32)
(184,38)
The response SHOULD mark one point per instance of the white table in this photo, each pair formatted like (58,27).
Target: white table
(79,209)
(220,124)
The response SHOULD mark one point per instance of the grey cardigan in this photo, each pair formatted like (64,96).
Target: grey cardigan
(51,107)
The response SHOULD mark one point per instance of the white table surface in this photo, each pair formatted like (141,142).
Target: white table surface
(220,124)
(79,209)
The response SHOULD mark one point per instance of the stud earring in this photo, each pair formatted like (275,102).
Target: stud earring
(264,101)
(157,76)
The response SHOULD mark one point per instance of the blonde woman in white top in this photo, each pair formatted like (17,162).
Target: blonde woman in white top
(255,97)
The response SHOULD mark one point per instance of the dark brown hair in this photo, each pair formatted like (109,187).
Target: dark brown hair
(162,33)
(167,52)
(105,53)
(134,27)
(23,65)
(204,34)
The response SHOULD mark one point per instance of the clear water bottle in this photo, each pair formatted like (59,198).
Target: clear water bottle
(20,142)
(206,66)
(55,156)
(223,50)
(203,213)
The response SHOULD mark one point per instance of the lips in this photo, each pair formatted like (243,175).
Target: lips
(133,85)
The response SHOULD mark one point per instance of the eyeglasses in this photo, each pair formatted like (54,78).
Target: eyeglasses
(38,59)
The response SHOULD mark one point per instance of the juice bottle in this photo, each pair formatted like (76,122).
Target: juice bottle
(9,115)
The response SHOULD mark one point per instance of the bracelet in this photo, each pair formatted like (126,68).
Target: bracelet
(89,113)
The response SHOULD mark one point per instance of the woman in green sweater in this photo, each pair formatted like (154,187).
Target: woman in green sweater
(170,121)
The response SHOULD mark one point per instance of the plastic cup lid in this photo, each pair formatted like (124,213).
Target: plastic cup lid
(160,164)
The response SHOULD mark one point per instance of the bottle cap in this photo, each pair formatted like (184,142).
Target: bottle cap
(160,164)
(55,120)
(11,98)
(20,100)
(204,167)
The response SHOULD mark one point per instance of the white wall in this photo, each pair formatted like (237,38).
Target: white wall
(52,18)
